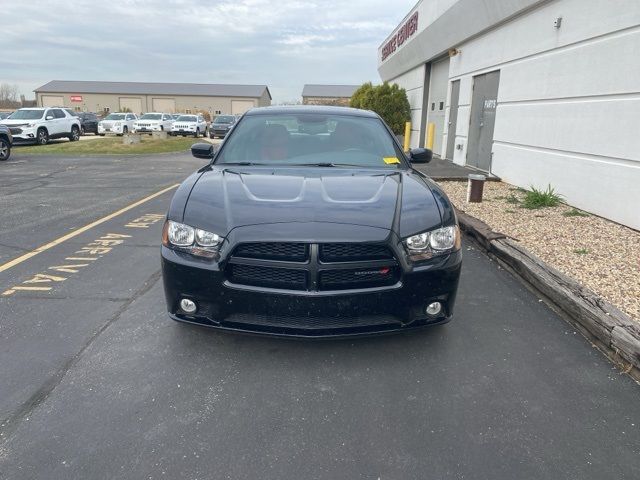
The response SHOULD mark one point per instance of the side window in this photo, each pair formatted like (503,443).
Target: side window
(129,117)
(57,113)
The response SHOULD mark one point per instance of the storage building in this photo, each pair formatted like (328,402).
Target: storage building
(152,97)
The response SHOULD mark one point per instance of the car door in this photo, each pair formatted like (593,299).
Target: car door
(167,121)
(129,120)
(58,123)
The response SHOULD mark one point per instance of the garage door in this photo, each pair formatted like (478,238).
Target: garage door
(167,105)
(240,106)
(52,101)
(132,103)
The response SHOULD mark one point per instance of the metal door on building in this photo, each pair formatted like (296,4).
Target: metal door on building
(164,105)
(453,118)
(483,116)
(438,85)
(238,107)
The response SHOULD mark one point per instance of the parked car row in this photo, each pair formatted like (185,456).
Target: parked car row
(40,124)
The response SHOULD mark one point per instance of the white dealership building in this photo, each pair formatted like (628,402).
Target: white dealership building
(536,92)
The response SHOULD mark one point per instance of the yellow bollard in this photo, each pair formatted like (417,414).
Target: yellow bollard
(431,135)
(407,136)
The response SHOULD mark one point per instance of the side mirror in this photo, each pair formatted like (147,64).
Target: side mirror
(203,150)
(420,155)
(48,117)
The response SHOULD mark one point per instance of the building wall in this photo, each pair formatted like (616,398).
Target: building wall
(340,101)
(92,102)
(568,102)
(413,82)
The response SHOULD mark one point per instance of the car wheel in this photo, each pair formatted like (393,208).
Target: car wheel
(196,134)
(42,138)
(5,150)
(75,134)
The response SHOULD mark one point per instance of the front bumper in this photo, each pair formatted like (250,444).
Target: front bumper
(152,128)
(219,133)
(223,305)
(23,134)
(114,129)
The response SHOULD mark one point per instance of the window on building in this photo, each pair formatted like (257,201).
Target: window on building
(441,105)
(187,111)
(106,109)
(433,106)
(218,112)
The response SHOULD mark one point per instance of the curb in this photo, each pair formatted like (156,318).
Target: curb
(611,330)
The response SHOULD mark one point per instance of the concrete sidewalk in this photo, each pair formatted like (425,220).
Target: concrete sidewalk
(442,169)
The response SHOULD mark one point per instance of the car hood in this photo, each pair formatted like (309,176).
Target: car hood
(225,198)
(7,121)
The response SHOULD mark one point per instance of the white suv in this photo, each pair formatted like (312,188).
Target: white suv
(39,125)
(153,122)
(190,125)
(119,123)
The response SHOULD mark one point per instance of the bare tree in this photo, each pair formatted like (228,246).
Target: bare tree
(9,96)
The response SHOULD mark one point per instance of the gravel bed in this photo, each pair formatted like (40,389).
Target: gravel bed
(600,254)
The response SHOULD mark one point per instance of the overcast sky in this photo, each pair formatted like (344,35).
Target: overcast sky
(281,43)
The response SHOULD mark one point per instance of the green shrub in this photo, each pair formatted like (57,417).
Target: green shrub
(581,251)
(388,101)
(541,198)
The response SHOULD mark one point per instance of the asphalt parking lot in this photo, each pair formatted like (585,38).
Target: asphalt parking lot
(97,382)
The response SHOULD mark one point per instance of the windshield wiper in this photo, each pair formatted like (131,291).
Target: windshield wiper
(324,164)
(241,164)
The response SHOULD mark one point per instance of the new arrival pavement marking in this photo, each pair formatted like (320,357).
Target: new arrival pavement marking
(75,233)
(83,257)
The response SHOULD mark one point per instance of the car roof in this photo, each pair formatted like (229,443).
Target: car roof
(317,109)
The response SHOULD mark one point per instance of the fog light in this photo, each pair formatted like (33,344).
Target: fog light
(434,308)
(188,306)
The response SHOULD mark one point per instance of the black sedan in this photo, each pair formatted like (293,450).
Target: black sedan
(310,221)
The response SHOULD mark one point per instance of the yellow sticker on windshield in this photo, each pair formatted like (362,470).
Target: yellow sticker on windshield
(390,160)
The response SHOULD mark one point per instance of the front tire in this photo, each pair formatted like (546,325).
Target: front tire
(5,150)
(196,134)
(42,137)
(75,134)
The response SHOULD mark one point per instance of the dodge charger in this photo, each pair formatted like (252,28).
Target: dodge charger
(310,221)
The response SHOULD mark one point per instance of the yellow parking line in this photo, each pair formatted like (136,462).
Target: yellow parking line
(80,230)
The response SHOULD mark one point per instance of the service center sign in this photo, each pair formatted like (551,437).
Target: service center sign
(76,98)
(405,31)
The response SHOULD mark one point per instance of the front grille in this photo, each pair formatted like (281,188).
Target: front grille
(313,267)
(291,252)
(107,124)
(353,252)
(313,321)
(271,277)
(358,278)
(15,130)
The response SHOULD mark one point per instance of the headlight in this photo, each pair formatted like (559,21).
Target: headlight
(435,242)
(192,240)
(30,125)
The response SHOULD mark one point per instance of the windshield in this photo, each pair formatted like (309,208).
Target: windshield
(311,139)
(224,119)
(151,116)
(27,114)
(187,118)
(115,116)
